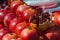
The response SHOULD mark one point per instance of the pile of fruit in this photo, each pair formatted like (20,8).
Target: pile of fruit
(19,21)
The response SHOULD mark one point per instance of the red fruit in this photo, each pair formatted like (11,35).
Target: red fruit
(8,18)
(2,14)
(29,34)
(1,26)
(3,32)
(9,36)
(53,33)
(20,27)
(18,39)
(27,14)
(13,24)
(57,20)
(56,17)
(21,9)
(14,5)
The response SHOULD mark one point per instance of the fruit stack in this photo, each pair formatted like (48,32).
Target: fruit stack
(19,21)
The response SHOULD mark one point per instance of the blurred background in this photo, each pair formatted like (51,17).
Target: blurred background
(29,2)
(43,2)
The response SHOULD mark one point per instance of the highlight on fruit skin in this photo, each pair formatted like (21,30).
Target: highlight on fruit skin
(56,17)
(8,18)
(53,33)
(20,9)
(14,5)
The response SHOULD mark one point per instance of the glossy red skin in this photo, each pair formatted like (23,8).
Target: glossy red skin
(29,34)
(21,9)
(53,33)
(8,18)
(13,24)
(2,14)
(9,36)
(14,6)
(57,20)
(18,39)
(1,26)
(56,16)
(20,27)
(27,14)
(3,32)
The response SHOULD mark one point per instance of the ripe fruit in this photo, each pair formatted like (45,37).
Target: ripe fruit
(3,32)
(20,27)
(9,36)
(2,15)
(14,5)
(13,24)
(53,33)
(8,18)
(21,9)
(27,14)
(18,39)
(1,26)
(29,34)
(56,17)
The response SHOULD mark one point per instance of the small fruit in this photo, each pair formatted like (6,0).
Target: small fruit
(20,27)
(2,15)
(3,32)
(29,34)
(21,9)
(53,33)
(56,17)
(13,24)
(14,5)
(8,18)
(28,13)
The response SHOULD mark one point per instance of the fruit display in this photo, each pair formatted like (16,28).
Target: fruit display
(20,21)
